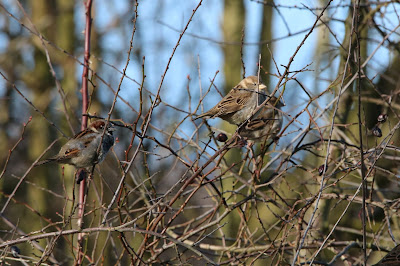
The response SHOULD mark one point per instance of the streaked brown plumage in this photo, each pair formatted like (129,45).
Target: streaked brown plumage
(237,106)
(267,122)
(81,150)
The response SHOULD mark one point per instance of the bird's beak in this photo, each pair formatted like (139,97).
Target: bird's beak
(262,86)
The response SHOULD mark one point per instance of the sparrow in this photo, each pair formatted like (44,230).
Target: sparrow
(81,151)
(238,105)
(267,122)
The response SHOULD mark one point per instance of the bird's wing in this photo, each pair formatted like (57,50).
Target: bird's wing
(265,116)
(234,101)
(70,153)
(75,146)
(258,123)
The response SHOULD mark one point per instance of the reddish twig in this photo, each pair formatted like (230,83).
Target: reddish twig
(85,101)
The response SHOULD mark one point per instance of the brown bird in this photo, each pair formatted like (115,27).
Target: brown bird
(238,105)
(267,122)
(81,150)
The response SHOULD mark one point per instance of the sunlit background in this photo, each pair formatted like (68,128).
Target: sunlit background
(222,44)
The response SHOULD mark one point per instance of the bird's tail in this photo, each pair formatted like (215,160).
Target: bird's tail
(201,116)
(45,161)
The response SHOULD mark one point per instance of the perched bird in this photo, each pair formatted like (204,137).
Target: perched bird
(267,122)
(238,105)
(81,151)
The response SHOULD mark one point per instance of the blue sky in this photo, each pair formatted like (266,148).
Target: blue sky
(161,21)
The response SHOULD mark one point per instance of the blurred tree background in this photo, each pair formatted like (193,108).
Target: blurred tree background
(335,65)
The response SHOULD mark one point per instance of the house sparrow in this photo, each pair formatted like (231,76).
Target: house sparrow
(267,122)
(81,150)
(237,106)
